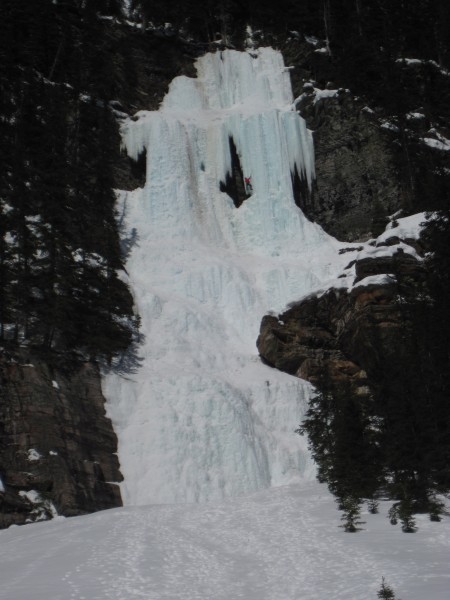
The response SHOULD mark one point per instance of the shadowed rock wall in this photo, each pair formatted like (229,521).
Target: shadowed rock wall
(57,447)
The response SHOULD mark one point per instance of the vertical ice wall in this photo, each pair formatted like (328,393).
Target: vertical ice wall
(202,418)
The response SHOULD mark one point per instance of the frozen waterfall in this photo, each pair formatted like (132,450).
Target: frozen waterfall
(202,419)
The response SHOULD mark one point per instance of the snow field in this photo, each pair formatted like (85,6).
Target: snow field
(278,544)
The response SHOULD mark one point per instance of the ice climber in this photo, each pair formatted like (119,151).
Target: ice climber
(248,184)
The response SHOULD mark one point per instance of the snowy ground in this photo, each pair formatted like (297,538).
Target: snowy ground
(277,544)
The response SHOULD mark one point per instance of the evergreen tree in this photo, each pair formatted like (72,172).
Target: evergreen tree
(405,514)
(24,211)
(385,592)
(351,507)
(102,305)
(436,508)
(343,441)
(59,246)
(317,425)
(403,511)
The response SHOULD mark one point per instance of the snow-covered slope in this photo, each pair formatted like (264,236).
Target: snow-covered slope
(202,418)
(277,544)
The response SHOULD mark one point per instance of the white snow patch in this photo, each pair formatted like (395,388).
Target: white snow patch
(33,455)
(385,124)
(442,144)
(380,251)
(382,279)
(249,41)
(55,384)
(44,508)
(415,116)
(438,66)
(31,495)
(404,228)
(322,94)
(310,39)
(322,51)
(410,61)
(416,61)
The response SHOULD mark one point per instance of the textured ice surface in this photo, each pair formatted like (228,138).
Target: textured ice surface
(202,419)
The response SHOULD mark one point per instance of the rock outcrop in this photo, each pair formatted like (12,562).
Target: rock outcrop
(347,331)
(356,186)
(357,182)
(57,446)
(378,148)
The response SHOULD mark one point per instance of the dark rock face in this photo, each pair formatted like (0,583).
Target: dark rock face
(57,447)
(357,185)
(345,333)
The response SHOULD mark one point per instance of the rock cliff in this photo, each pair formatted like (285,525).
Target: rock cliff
(349,331)
(57,446)
(357,182)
